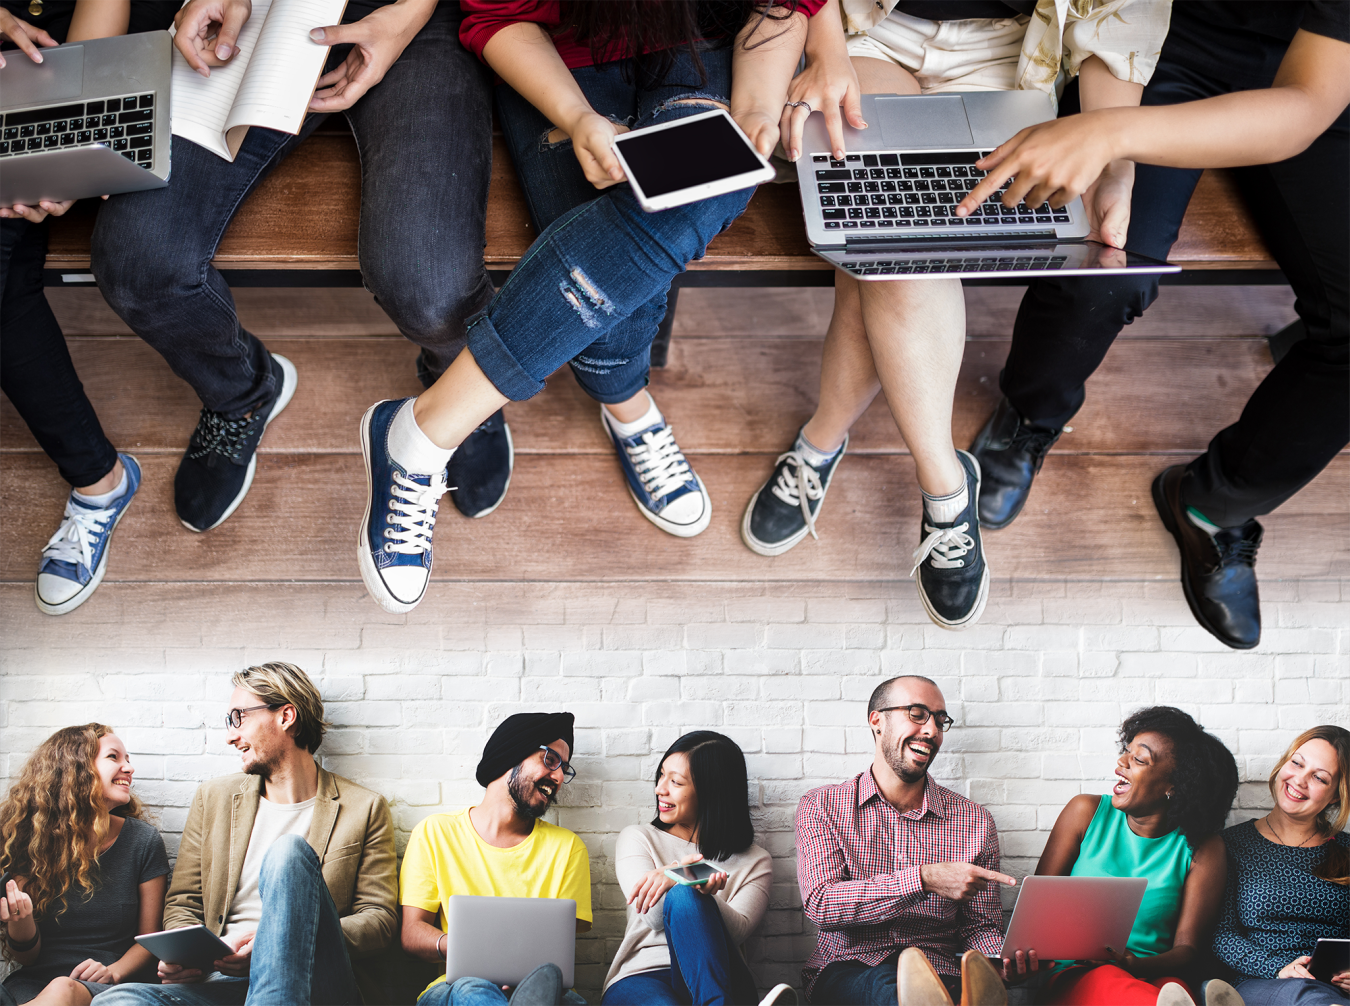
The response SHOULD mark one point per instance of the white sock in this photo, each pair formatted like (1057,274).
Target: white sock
(945,509)
(812,454)
(412,449)
(646,421)
(103,499)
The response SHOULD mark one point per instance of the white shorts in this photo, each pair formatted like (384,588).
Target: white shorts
(979,54)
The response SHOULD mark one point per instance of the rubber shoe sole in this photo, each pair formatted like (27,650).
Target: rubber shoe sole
(983,598)
(1165,515)
(370,576)
(289,380)
(87,591)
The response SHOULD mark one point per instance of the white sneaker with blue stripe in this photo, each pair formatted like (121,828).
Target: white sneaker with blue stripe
(76,557)
(664,487)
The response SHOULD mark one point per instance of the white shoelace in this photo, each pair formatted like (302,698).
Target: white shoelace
(659,462)
(74,539)
(789,487)
(946,545)
(412,509)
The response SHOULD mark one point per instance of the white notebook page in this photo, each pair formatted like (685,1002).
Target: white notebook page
(286,63)
(201,105)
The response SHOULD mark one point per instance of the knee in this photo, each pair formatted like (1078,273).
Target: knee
(681,901)
(129,272)
(426,310)
(286,855)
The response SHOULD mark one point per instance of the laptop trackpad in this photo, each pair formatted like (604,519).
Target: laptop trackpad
(924,120)
(60,75)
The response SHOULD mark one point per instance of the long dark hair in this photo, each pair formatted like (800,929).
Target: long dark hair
(1204,774)
(721,782)
(654,30)
(1335,865)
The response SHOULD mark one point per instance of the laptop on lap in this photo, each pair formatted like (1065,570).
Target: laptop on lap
(503,939)
(887,210)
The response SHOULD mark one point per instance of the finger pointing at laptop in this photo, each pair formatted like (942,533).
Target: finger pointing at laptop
(960,881)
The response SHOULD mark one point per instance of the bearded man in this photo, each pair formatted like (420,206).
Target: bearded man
(503,848)
(898,873)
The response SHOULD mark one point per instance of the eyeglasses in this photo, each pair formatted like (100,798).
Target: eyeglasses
(553,761)
(920,713)
(234,719)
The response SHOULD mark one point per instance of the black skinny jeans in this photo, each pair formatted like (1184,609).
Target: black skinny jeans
(1299,417)
(36,372)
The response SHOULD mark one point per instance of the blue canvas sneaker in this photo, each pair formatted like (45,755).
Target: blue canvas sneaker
(76,557)
(664,487)
(393,546)
(953,576)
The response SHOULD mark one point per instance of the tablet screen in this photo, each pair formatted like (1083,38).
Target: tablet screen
(694,153)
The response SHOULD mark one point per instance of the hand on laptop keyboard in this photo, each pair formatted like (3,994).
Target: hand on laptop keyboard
(828,82)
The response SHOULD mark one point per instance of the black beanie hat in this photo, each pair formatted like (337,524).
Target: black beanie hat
(519,736)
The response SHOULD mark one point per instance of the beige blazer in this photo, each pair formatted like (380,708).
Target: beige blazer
(352,833)
(1127,35)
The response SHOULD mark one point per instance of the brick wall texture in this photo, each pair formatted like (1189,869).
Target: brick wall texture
(1037,690)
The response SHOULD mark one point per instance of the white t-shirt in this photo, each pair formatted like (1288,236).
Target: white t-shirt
(272,821)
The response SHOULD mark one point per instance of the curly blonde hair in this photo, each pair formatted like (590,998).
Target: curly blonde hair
(52,821)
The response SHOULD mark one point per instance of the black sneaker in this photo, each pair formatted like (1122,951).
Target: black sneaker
(1218,573)
(480,469)
(784,509)
(953,576)
(1010,452)
(218,465)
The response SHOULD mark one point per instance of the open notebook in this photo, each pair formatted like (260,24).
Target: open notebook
(268,83)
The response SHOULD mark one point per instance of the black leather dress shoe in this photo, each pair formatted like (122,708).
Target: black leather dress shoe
(1218,573)
(1010,453)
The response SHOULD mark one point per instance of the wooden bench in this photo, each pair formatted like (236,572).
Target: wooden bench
(299,229)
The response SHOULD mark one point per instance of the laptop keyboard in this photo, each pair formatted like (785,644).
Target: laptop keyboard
(981,262)
(901,192)
(125,124)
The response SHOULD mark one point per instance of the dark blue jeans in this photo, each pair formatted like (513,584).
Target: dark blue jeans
(592,288)
(1289,992)
(706,969)
(424,134)
(1299,417)
(853,983)
(299,954)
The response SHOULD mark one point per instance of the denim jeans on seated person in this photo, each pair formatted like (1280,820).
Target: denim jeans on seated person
(1286,992)
(592,288)
(299,954)
(853,983)
(477,992)
(705,967)
(424,134)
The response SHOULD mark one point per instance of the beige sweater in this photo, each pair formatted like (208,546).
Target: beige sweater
(640,849)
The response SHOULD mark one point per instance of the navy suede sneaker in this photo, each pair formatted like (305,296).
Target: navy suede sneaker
(480,469)
(393,546)
(664,487)
(953,576)
(76,557)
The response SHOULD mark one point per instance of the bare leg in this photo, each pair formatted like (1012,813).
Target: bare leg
(63,992)
(848,376)
(461,398)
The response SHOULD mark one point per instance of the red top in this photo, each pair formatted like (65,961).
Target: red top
(484,18)
(858,862)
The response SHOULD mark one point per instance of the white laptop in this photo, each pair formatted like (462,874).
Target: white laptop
(886,211)
(1074,918)
(503,939)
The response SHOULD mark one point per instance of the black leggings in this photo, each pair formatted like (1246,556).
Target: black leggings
(1299,417)
(36,372)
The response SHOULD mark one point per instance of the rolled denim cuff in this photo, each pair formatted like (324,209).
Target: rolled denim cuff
(499,363)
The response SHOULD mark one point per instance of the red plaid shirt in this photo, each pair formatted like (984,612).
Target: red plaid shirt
(858,862)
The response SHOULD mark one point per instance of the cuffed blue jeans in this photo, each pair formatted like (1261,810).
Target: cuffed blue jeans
(424,135)
(706,969)
(592,288)
(299,954)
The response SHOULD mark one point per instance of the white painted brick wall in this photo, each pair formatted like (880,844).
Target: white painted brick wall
(1037,690)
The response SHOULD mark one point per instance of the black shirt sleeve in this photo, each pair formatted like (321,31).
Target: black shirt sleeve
(1327,17)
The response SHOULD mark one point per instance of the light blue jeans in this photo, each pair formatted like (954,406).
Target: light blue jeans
(299,954)
(476,992)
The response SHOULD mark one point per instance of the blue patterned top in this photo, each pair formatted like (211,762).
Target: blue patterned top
(1274,909)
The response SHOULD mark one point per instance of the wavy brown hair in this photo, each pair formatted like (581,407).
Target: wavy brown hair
(1335,865)
(52,821)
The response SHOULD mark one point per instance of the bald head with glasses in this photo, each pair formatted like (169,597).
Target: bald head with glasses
(908,718)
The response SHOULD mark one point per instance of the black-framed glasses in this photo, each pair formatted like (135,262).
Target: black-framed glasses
(235,717)
(919,713)
(554,761)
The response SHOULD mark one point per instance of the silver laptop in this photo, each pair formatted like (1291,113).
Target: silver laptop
(504,939)
(91,119)
(1074,918)
(886,211)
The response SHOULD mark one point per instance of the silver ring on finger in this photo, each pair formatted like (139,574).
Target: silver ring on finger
(805,105)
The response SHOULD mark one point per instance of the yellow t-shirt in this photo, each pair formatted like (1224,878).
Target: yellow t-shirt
(446,856)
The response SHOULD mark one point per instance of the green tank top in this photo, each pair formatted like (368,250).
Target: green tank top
(1111,849)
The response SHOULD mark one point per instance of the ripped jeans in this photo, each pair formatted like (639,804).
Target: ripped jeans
(592,288)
